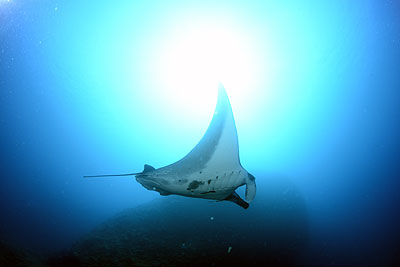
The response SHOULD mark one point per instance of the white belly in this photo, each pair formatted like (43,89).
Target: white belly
(218,185)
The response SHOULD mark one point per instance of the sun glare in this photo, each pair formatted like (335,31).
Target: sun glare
(193,60)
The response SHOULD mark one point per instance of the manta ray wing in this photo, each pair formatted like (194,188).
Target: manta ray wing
(212,168)
(218,148)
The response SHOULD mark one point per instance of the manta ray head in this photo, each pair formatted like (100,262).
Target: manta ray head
(153,183)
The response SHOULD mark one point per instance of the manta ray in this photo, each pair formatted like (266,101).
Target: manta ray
(211,170)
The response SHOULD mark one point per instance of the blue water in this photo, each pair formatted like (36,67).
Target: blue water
(81,94)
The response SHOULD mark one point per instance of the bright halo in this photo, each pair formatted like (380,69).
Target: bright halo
(191,61)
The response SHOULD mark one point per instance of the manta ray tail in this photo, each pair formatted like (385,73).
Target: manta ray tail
(108,175)
(147,168)
(250,188)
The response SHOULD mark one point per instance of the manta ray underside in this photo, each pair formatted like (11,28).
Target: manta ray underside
(212,170)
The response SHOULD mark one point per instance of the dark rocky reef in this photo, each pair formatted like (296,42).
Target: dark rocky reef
(179,231)
(11,256)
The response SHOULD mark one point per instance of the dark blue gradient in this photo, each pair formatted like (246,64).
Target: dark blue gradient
(78,97)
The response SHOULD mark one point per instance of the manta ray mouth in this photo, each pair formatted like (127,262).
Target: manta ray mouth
(148,183)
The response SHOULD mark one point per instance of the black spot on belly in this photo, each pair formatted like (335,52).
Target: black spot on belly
(216,177)
(209,181)
(182,181)
(194,184)
(251,177)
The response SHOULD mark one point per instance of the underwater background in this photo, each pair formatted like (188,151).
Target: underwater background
(93,87)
